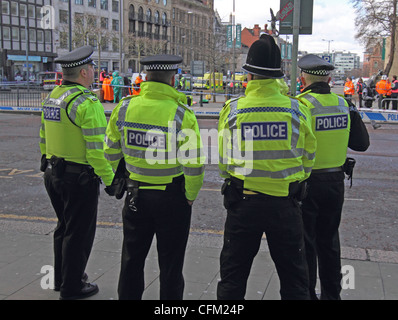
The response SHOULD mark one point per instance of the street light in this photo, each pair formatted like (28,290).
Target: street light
(329,41)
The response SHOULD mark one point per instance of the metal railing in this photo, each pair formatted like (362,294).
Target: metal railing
(22,98)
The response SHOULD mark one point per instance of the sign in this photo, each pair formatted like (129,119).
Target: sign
(286,16)
(197,68)
(229,36)
(327,58)
(286,51)
(238,36)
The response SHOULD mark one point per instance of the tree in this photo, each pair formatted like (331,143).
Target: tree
(377,19)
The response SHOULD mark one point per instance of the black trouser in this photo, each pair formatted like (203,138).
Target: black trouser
(75,203)
(247,220)
(168,215)
(321,215)
(394,102)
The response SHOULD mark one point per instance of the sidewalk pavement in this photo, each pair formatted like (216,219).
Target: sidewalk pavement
(26,250)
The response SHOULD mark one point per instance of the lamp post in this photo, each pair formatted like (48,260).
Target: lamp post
(329,41)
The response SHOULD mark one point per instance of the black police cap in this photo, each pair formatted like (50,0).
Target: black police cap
(312,64)
(76,58)
(264,58)
(161,62)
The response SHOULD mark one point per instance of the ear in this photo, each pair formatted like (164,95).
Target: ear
(303,81)
(330,79)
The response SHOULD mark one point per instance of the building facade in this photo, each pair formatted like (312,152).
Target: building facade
(26,44)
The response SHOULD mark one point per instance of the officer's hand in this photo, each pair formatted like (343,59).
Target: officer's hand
(190,202)
(110,190)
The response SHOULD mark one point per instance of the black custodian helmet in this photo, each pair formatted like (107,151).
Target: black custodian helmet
(264,58)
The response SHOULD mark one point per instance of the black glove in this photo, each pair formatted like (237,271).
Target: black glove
(110,190)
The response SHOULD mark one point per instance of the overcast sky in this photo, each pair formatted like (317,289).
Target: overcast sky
(332,20)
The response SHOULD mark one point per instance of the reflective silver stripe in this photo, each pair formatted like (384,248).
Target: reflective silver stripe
(59,102)
(255,173)
(193,171)
(43,140)
(94,131)
(55,102)
(320,109)
(295,123)
(94,145)
(309,156)
(113,157)
(179,116)
(233,112)
(154,172)
(73,109)
(111,144)
(43,127)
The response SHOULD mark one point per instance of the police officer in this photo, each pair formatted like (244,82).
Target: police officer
(72,135)
(158,137)
(336,124)
(266,148)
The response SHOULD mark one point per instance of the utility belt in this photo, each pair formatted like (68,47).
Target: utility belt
(347,168)
(60,166)
(133,186)
(233,192)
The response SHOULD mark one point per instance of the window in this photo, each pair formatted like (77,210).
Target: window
(104,23)
(149,15)
(115,25)
(32,35)
(92,21)
(79,2)
(6,33)
(115,6)
(164,18)
(31,11)
(5,7)
(92,41)
(104,4)
(156,16)
(22,10)
(40,36)
(63,16)
(15,33)
(115,44)
(92,3)
(14,8)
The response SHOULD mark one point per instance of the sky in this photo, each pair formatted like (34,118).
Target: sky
(332,20)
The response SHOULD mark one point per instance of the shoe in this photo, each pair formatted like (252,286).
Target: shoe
(88,290)
(84,279)
(376,126)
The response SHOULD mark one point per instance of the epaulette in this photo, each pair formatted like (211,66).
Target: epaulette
(228,102)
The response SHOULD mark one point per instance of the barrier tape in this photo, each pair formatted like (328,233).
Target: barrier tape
(367,115)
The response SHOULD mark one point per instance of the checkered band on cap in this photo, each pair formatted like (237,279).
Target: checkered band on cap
(317,72)
(161,67)
(76,63)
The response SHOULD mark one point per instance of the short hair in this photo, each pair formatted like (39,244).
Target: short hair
(160,76)
(312,78)
(73,73)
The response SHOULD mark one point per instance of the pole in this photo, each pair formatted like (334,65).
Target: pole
(70,24)
(27,50)
(296,31)
(233,47)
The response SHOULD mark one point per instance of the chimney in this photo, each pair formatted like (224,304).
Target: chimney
(256,30)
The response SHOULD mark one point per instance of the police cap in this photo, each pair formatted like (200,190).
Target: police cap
(161,62)
(264,58)
(315,65)
(76,58)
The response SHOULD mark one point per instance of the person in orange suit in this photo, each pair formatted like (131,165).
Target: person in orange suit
(349,88)
(137,84)
(108,92)
(383,87)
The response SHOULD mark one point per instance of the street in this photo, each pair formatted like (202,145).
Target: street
(370,219)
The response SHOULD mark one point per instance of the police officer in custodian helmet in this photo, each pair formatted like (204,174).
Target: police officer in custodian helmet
(72,135)
(336,124)
(266,148)
(158,137)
